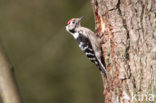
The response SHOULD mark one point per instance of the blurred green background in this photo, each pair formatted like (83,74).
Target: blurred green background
(49,66)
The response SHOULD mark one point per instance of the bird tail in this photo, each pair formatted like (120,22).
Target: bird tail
(102,68)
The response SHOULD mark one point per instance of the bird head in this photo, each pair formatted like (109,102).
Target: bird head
(72,24)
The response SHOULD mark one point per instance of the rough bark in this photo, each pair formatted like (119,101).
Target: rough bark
(128,29)
(8,89)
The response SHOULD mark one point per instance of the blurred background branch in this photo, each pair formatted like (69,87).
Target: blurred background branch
(8,88)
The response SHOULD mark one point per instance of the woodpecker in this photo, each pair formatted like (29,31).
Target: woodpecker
(87,41)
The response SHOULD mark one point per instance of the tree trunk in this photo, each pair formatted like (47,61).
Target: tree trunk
(128,29)
(8,89)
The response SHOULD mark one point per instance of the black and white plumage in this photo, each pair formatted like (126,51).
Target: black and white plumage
(87,42)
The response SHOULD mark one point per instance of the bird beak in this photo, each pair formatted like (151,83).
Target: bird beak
(80,18)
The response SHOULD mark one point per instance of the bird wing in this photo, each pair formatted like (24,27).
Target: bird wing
(95,44)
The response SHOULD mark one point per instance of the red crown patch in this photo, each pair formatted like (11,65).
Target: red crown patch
(69,21)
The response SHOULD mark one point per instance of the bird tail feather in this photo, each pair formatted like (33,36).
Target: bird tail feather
(102,68)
